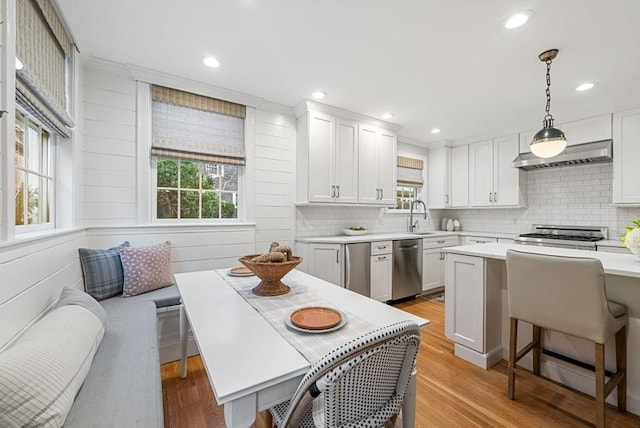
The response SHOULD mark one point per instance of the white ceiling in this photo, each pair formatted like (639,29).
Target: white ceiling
(448,64)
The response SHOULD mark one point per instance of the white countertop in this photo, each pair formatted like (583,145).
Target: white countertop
(613,263)
(373,237)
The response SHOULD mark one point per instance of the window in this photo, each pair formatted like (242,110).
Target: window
(196,190)
(410,173)
(34,173)
(198,151)
(404,196)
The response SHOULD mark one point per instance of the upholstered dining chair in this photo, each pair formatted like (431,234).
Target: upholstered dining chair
(568,295)
(362,383)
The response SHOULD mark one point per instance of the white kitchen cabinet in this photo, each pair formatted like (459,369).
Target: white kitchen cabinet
(459,173)
(381,270)
(376,166)
(325,262)
(626,154)
(473,307)
(577,132)
(433,260)
(478,240)
(438,178)
(327,159)
(493,181)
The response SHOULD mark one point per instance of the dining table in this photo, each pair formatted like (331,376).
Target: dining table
(253,356)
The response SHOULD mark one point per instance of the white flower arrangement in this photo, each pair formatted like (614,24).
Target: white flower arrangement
(631,239)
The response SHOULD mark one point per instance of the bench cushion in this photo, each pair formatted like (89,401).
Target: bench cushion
(41,373)
(124,386)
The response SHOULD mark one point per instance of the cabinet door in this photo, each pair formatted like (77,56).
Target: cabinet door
(381,276)
(368,190)
(481,174)
(346,162)
(460,176)
(438,162)
(387,162)
(506,184)
(432,268)
(626,149)
(321,156)
(464,304)
(525,138)
(587,130)
(326,262)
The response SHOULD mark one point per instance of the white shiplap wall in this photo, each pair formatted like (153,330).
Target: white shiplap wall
(109,146)
(274,170)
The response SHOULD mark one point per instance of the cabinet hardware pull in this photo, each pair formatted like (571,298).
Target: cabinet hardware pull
(333,191)
(441,242)
(382,257)
(338,191)
(338,256)
(446,199)
(495,197)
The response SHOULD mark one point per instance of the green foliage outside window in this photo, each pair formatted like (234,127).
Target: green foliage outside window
(183,191)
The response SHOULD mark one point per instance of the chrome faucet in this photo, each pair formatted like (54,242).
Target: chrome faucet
(412,225)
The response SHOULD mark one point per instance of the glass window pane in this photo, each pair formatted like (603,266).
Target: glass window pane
(167,173)
(33,148)
(33,199)
(189,204)
(20,154)
(167,205)
(189,175)
(47,197)
(46,155)
(230,178)
(19,199)
(228,207)
(210,205)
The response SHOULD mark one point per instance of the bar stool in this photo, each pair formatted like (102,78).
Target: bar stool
(566,294)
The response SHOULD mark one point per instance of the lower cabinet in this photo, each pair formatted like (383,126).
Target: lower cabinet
(381,277)
(324,261)
(473,308)
(433,258)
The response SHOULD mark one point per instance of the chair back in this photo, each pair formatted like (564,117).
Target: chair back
(565,294)
(362,383)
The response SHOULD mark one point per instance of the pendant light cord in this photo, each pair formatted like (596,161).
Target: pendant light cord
(548,108)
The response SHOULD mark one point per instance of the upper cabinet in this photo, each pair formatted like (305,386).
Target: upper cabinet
(342,160)
(626,153)
(578,132)
(439,178)
(448,177)
(493,181)
(377,166)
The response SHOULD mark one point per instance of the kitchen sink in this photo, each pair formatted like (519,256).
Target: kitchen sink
(421,233)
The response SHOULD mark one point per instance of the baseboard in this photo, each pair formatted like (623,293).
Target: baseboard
(478,358)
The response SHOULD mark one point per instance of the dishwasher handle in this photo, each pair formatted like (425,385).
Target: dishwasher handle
(347,267)
(412,247)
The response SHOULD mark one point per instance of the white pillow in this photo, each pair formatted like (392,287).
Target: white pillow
(42,372)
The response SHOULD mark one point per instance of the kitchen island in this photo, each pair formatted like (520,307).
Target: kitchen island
(476,315)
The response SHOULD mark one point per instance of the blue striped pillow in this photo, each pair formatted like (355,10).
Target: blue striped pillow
(102,270)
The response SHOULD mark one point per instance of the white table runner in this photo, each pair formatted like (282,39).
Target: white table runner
(312,346)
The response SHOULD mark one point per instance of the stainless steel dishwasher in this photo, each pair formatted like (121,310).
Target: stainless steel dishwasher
(407,268)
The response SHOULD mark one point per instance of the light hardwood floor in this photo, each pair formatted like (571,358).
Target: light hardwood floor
(450,391)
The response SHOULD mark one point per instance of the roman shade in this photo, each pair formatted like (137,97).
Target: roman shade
(194,127)
(409,172)
(46,51)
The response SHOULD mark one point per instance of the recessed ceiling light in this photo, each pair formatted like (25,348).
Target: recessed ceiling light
(518,19)
(586,86)
(318,95)
(387,115)
(211,62)
(19,65)
(436,131)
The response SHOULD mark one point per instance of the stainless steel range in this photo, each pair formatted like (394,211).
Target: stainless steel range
(578,237)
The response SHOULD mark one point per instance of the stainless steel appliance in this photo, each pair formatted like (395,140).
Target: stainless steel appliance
(407,268)
(578,237)
(579,154)
(357,270)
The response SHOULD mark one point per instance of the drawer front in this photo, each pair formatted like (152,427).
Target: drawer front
(439,242)
(381,247)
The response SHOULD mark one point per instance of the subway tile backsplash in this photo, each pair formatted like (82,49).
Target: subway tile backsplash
(577,195)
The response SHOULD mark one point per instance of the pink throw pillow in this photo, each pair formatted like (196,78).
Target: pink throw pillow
(146,268)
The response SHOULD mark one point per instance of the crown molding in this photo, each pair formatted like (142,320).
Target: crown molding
(307,105)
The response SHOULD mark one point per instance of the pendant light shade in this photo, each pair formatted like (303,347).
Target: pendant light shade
(549,141)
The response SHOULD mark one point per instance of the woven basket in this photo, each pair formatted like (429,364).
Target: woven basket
(270,275)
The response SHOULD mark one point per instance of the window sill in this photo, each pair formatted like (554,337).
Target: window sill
(42,235)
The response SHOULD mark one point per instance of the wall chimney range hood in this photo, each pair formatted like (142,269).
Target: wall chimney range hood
(580,154)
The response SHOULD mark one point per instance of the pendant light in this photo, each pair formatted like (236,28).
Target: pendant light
(549,141)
